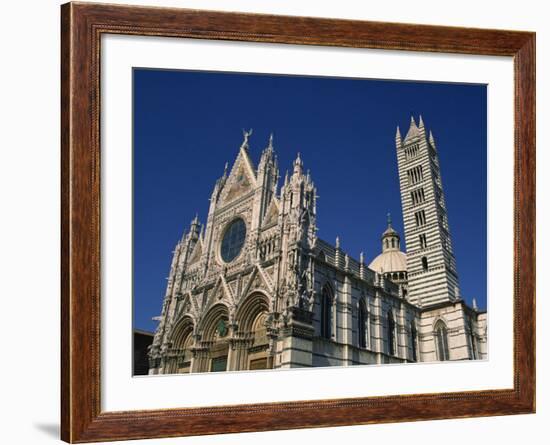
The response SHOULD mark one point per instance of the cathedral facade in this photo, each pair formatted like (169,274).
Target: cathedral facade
(256,288)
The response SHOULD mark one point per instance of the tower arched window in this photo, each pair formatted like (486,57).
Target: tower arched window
(326,313)
(391,333)
(441,341)
(363,323)
(424,263)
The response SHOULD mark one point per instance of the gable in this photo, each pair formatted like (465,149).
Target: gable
(196,254)
(272,213)
(241,180)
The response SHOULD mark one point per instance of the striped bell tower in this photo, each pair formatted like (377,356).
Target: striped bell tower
(431,264)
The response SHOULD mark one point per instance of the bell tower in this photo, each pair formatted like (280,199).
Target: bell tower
(430,260)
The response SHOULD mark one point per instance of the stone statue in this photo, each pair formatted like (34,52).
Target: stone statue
(246,135)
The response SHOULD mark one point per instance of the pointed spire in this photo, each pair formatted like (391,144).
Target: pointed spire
(388,216)
(398,135)
(270,140)
(225,169)
(361,257)
(337,242)
(432,140)
(194,229)
(286,179)
(413,131)
(420,122)
(195,224)
(298,164)
(474,304)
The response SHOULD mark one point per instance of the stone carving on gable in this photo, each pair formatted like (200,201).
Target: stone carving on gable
(241,185)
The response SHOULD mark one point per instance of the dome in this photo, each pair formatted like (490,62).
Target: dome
(389,261)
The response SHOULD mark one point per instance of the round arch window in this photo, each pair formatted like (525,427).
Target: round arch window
(233,240)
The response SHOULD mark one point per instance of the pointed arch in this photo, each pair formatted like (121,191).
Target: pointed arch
(251,307)
(414,341)
(252,318)
(441,340)
(210,323)
(327,300)
(363,323)
(182,344)
(473,340)
(391,332)
(182,331)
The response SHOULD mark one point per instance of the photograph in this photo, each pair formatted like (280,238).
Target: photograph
(285,221)
(276,222)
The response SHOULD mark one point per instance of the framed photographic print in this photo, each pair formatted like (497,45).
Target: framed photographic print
(277,222)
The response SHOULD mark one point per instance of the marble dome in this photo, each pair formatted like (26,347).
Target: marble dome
(389,261)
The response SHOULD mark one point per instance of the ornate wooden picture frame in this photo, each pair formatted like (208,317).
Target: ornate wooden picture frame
(82,25)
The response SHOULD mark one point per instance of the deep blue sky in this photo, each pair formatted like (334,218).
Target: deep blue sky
(188,124)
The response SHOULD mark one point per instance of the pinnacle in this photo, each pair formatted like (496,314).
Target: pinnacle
(398,133)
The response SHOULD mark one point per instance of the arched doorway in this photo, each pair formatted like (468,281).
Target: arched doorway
(214,351)
(252,335)
(182,343)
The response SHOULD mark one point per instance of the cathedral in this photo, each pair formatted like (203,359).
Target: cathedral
(256,288)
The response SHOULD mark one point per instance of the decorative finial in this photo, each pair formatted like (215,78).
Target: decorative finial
(398,134)
(413,123)
(431,137)
(298,164)
(361,257)
(194,226)
(389,219)
(225,169)
(271,140)
(420,122)
(337,242)
(474,304)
